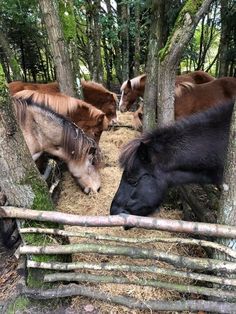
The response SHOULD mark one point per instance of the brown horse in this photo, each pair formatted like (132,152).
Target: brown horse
(92,120)
(46,131)
(94,93)
(134,88)
(193,98)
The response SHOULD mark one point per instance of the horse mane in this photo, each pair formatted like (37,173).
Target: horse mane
(183,86)
(164,136)
(95,86)
(59,102)
(135,82)
(98,88)
(75,142)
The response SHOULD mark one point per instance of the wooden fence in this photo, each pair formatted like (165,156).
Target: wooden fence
(215,278)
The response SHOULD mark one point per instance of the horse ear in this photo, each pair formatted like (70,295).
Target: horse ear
(129,84)
(143,152)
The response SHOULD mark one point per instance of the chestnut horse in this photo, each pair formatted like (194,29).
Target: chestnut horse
(92,120)
(134,88)
(191,98)
(192,150)
(47,131)
(94,93)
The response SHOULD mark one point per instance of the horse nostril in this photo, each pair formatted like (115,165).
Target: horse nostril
(87,190)
(98,190)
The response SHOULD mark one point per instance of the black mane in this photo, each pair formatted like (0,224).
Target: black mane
(216,117)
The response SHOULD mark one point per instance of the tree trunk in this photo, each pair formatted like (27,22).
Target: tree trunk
(224,39)
(97,74)
(227,212)
(123,8)
(20,179)
(150,94)
(170,56)
(137,40)
(11,60)
(67,82)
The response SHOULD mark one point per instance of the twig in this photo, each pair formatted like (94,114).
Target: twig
(131,268)
(134,252)
(181,305)
(106,237)
(120,220)
(218,293)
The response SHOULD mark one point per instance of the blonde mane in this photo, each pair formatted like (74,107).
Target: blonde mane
(135,82)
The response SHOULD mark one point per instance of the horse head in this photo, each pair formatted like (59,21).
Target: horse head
(140,192)
(86,171)
(110,109)
(130,91)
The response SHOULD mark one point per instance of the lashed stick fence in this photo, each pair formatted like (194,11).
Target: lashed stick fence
(199,264)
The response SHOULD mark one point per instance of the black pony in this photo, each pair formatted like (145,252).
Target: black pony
(192,150)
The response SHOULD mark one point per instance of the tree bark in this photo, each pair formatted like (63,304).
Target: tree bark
(11,60)
(123,8)
(132,303)
(97,74)
(20,179)
(67,82)
(170,56)
(199,228)
(151,86)
(227,211)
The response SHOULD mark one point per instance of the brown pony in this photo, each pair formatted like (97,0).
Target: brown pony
(94,93)
(46,131)
(134,88)
(193,98)
(92,120)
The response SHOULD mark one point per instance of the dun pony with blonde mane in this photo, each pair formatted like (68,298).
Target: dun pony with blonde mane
(46,131)
(92,120)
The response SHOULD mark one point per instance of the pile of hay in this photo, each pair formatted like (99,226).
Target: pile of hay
(72,200)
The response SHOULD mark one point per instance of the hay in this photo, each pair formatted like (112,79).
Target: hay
(72,200)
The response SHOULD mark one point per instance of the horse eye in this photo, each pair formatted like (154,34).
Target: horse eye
(133,181)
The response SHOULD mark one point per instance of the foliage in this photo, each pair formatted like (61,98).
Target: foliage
(23,27)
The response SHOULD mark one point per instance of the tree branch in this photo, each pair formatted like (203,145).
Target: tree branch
(120,220)
(106,237)
(131,268)
(133,252)
(181,305)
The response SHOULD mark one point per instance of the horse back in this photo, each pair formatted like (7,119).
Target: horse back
(200,97)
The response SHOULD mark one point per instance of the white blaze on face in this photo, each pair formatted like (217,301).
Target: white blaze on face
(121,99)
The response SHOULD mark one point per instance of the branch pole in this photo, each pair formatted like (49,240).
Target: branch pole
(133,252)
(218,293)
(131,268)
(216,230)
(106,237)
(132,303)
